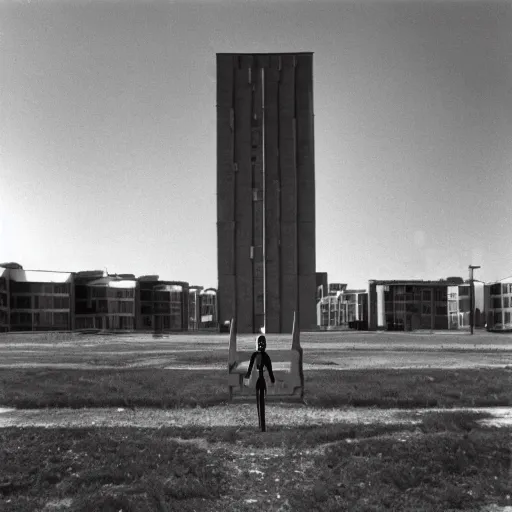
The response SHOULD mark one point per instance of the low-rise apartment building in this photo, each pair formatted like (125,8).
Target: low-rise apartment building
(104,302)
(35,300)
(162,305)
(194,307)
(459,306)
(397,305)
(209,311)
(498,299)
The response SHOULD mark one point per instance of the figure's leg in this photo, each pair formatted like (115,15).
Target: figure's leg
(262,408)
(258,402)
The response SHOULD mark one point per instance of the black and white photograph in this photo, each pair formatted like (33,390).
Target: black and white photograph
(255,255)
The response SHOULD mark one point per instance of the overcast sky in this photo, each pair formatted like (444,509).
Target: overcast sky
(107,133)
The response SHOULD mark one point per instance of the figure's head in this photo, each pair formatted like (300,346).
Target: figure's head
(261,343)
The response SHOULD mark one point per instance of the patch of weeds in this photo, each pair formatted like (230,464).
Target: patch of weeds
(107,466)
(454,421)
(151,387)
(438,471)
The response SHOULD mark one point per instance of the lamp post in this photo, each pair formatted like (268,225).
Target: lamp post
(471,296)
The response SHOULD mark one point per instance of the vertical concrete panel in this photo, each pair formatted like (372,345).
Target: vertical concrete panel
(289,261)
(226,240)
(305,186)
(225,168)
(262,60)
(225,187)
(306,248)
(287,143)
(289,302)
(225,149)
(258,191)
(226,302)
(225,80)
(272,196)
(288,174)
(307,307)
(243,209)
(304,115)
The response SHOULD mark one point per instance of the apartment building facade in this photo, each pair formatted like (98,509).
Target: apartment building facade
(95,300)
(209,308)
(104,302)
(4,300)
(194,307)
(459,306)
(397,305)
(342,307)
(35,300)
(162,306)
(498,300)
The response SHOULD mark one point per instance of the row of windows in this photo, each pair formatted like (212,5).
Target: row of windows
(425,309)
(104,306)
(501,289)
(113,293)
(40,302)
(105,322)
(502,317)
(424,296)
(102,292)
(45,318)
(120,306)
(414,293)
(40,287)
(496,302)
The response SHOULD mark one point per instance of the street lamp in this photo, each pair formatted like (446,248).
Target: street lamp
(472,296)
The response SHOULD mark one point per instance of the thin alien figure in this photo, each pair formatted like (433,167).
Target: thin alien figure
(262,360)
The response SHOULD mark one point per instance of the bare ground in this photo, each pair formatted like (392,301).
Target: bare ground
(322,350)
(235,415)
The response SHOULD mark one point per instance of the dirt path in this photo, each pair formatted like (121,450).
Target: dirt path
(239,415)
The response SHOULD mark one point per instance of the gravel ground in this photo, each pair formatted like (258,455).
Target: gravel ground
(239,415)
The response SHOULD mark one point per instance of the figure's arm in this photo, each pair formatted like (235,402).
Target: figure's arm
(268,363)
(251,363)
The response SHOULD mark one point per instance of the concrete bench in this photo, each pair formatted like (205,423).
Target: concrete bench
(286,365)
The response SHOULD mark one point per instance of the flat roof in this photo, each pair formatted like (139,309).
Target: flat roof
(113,283)
(39,276)
(412,282)
(270,53)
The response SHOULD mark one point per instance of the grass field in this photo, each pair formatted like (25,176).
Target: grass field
(445,461)
(40,388)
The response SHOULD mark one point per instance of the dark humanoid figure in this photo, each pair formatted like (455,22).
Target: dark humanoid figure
(262,360)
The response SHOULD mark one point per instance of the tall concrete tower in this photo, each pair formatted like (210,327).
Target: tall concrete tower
(266,191)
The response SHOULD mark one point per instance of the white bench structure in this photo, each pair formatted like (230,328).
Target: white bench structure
(286,365)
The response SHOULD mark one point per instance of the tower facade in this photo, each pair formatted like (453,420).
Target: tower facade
(266,191)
